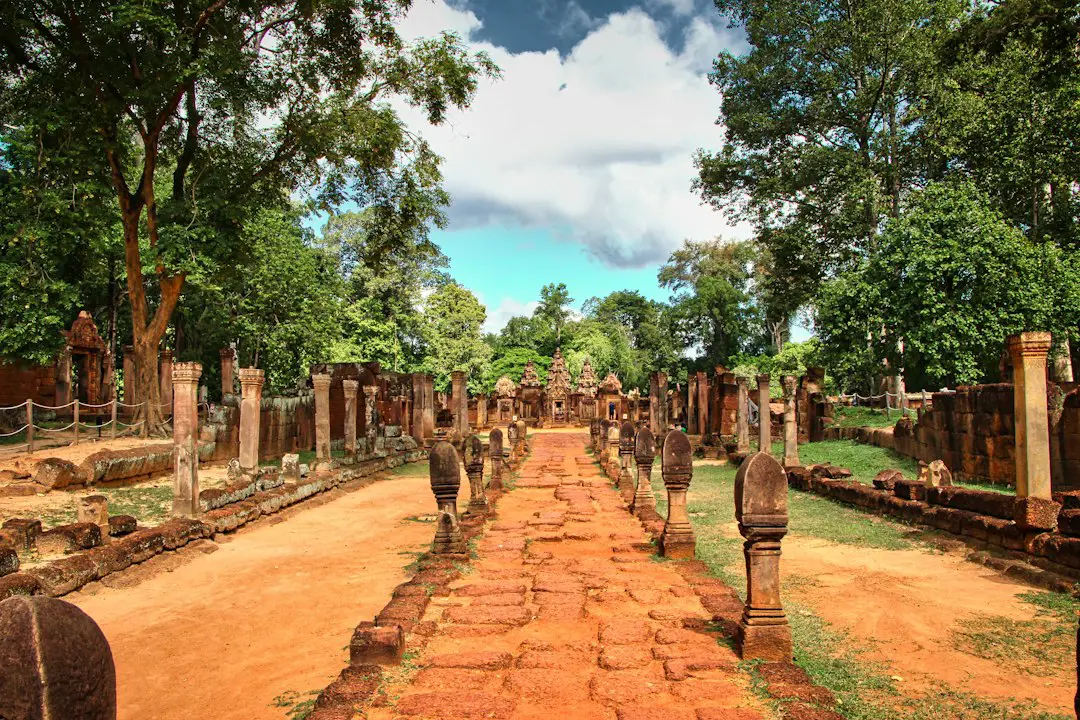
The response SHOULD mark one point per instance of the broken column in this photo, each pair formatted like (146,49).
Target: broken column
(459,402)
(185,377)
(445,483)
(57,662)
(1035,508)
(94,509)
(626,454)
(228,362)
(742,417)
(474,468)
(761,511)
(644,455)
(677,468)
(251,385)
(791,427)
(495,450)
(322,417)
(349,388)
(764,416)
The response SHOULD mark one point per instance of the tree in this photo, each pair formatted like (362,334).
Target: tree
(818,142)
(201,113)
(952,279)
(511,362)
(554,310)
(647,326)
(454,319)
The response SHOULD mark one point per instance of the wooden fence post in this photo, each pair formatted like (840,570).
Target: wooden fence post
(75,414)
(29,425)
(113,421)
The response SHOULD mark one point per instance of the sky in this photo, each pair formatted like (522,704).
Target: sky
(576,165)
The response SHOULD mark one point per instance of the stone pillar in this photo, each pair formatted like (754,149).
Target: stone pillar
(251,385)
(57,662)
(742,416)
(1028,351)
(459,402)
(613,450)
(512,438)
(603,438)
(481,411)
(644,455)
(418,386)
(63,377)
(691,405)
(677,540)
(371,418)
(474,468)
(445,483)
(185,377)
(761,511)
(166,379)
(791,426)
(228,360)
(627,487)
(703,403)
(129,375)
(322,417)
(349,387)
(654,404)
(764,416)
(429,406)
(495,450)
(594,435)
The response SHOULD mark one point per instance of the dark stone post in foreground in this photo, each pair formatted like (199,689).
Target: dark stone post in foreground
(495,450)
(594,434)
(761,510)
(474,467)
(678,539)
(54,662)
(626,454)
(445,483)
(644,454)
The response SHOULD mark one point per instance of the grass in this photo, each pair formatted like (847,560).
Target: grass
(149,505)
(864,690)
(846,416)
(299,705)
(412,469)
(307,457)
(1026,646)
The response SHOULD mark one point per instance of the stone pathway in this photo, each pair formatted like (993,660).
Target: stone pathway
(565,612)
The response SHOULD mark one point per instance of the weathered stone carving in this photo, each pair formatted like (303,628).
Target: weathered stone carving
(613,451)
(742,416)
(761,511)
(644,455)
(626,453)
(678,540)
(251,385)
(512,438)
(935,474)
(764,415)
(185,387)
(445,483)
(350,388)
(594,434)
(56,662)
(321,383)
(529,377)
(495,450)
(586,384)
(474,468)
(791,428)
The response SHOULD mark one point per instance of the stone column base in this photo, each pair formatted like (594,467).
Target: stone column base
(448,537)
(678,547)
(627,489)
(478,507)
(771,643)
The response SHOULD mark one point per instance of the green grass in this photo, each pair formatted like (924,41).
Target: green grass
(1026,646)
(307,457)
(149,505)
(851,416)
(412,469)
(297,706)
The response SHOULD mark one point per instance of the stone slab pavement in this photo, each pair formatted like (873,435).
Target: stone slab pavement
(566,613)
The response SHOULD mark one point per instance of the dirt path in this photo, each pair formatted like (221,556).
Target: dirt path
(561,612)
(271,611)
(906,604)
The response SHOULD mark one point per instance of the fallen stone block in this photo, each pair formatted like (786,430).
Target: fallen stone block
(372,644)
(120,525)
(9,561)
(56,473)
(28,530)
(1032,513)
(20,583)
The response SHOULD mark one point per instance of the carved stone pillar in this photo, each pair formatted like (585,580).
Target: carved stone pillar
(445,483)
(764,416)
(459,402)
(371,418)
(627,487)
(185,378)
(322,417)
(474,468)
(613,451)
(495,450)
(677,540)
(691,405)
(349,388)
(644,454)
(761,511)
(703,403)
(228,362)
(251,385)
(1028,351)
(482,411)
(418,386)
(603,443)
(791,426)
(742,416)
(63,377)
(429,406)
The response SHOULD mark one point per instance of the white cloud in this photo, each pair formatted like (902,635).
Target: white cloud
(508,307)
(679,7)
(597,144)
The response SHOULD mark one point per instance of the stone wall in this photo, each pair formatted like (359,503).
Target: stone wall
(19,382)
(286,425)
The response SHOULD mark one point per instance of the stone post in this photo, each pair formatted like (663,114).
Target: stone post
(1028,351)
(63,377)
(594,435)
(474,468)
(602,443)
(228,360)
(57,662)
(418,408)
(185,378)
(129,375)
(482,411)
(677,540)
(445,483)
(495,450)
(429,406)
(761,511)
(644,455)
(742,416)
(764,416)
(349,388)
(322,417)
(166,378)
(613,451)
(627,487)
(251,385)
(691,405)
(511,436)
(791,427)
(459,402)
(371,418)
(703,403)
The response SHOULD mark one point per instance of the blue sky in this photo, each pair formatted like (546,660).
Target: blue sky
(576,165)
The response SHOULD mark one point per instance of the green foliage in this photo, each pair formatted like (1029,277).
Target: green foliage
(512,363)
(453,318)
(792,360)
